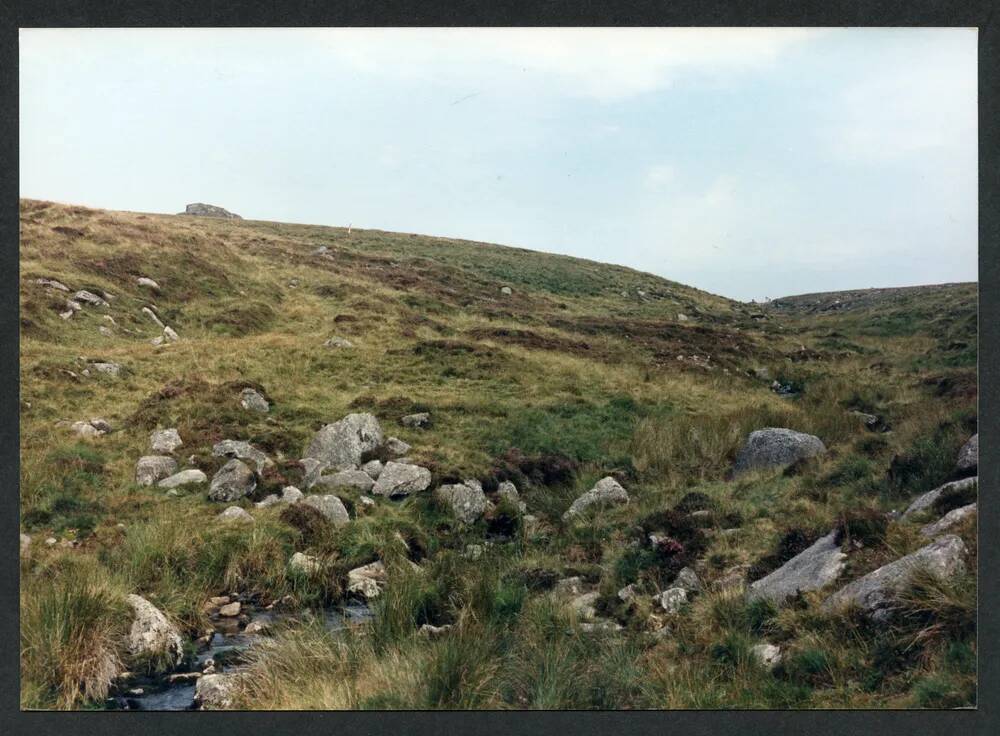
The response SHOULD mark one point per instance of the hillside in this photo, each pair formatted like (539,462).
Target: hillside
(544,371)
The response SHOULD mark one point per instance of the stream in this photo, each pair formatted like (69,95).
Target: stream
(225,649)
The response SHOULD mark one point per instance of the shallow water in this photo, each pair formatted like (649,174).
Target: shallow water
(226,645)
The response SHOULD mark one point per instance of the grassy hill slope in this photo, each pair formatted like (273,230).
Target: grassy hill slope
(584,370)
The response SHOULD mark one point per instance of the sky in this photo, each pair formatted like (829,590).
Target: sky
(752,163)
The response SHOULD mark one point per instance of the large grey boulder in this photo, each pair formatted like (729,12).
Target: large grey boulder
(184,477)
(201,209)
(251,400)
(340,445)
(152,468)
(242,451)
(152,637)
(466,500)
(401,479)
(233,481)
(947,522)
(926,501)
(874,593)
(165,441)
(775,447)
(367,581)
(607,491)
(968,456)
(330,506)
(215,691)
(357,479)
(811,569)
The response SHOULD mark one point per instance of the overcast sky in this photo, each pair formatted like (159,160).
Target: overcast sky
(751,163)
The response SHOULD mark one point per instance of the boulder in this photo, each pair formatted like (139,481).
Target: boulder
(235,514)
(968,456)
(152,315)
(950,520)
(671,600)
(145,281)
(926,501)
(152,468)
(242,451)
(506,290)
(357,479)
(291,494)
(184,477)
(330,506)
(688,580)
(152,637)
(373,469)
(628,594)
(340,445)
(466,500)
(233,481)
(52,284)
(303,563)
(607,491)
(397,447)
(776,447)
(813,568)
(165,441)
(200,209)
(434,632)
(507,491)
(91,428)
(367,581)
(251,400)
(421,420)
(109,369)
(215,691)
(401,479)
(170,334)
(230,610)
(90,298)
(874,593)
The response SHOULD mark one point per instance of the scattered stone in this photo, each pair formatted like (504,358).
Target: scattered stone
(215,691)
(397,447)
(91,428)
(776,447)
(230,610)
(968,456)
(152,468)
(628,594)
(291,494)
(50,541)
(366,502)
(219,600)
(434,632)
(506,290)
(321,251)
(303,563)
(927,500)
(152,635)
(90,298)
(688,580)
(269,500)
(169,334)
(182,677)
(681,317)
(952,519)
(233,481)
(811,569)
(52,284)
(421,420)
(671,600)
(338,342)
(74,306)
(508,492)
(607,491)
(340,445)
(251,400)
(255,627)
(373,469)
(367,581)
(401,479)
(467,500)
(242,451)
(191,476)
(874,592)
(235,514)
(201,209)
(111,369)
(768,655)
(106,331)
(357,479)
(330,506)
(165,441)
(157,341)
(144,281)
(67,314)
(152,315)
(583,606)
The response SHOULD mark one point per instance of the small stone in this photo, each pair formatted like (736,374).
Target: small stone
(506,290)
(255,627)
(605,492)
(373,469)
(230,610)
(338,342)
(170,334)
(466,500)
(191,476)
(688,580)
(144,281)
(366,502)
(106,331)
(235,514)
(330,506)
(401,479)
(628,593)
(434,632)
(165,441)
(367,581)
(767,655)
(152,468)
(473,551)
(303,563)
(291,494)
(90,298)
(397,447)
(110,369)
(251,400)
(421,420)
(356,479)
(233,481)
(672,599)
(152,315)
